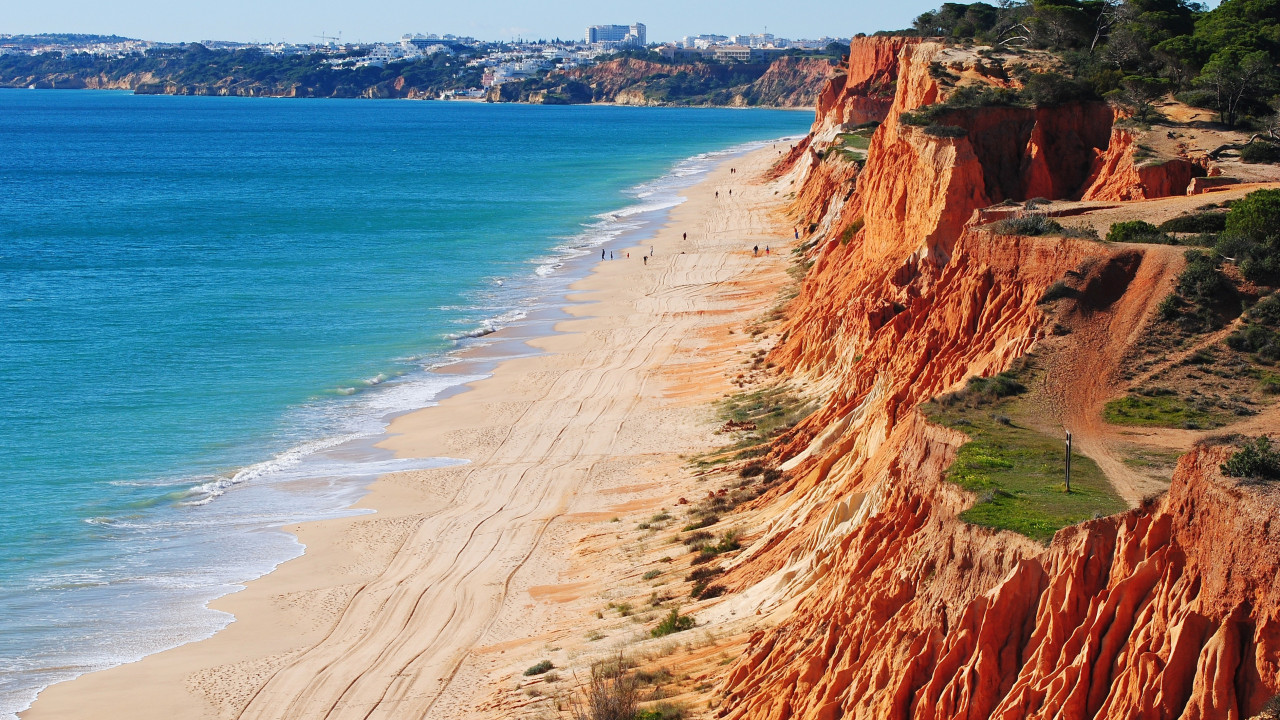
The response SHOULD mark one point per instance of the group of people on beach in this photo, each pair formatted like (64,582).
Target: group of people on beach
(608,254)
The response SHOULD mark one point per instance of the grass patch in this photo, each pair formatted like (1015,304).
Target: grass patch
(857,141)
(772,411)
(1161,410)
(1017,473)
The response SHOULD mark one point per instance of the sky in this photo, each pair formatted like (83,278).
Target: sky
(382,20)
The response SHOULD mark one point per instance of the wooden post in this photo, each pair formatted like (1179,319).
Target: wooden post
(1068,461)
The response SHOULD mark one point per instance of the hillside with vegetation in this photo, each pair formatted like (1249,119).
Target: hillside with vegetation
(648,79)
(194,69)
(1132,52)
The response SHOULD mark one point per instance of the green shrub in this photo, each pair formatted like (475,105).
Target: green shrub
(982,391)
(1049,89)
(701,574)
(1252,236)
(1136,231)
(673,623)
(696,538)
(1206,222)
(705,521)
(1256,215)
(711,591)
(1201,282)
(969,96)
(1031,225)
(1056,291)
(939,130)
(1260,151)
(542,667)
(1082,232)
(661,711)
(1256,459)
(1267,311)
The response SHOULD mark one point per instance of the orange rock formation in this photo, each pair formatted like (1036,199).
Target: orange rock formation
(865,91)
(1168,611)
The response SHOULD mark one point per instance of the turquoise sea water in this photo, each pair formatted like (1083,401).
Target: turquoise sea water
(201,298)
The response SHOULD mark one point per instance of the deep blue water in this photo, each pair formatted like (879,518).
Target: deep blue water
(197,294)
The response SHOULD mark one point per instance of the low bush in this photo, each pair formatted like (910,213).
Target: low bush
(700,574)
(542,667)
(1256,459)
(697,538)
(1267,311)
(1251,338)
(1048,89)
(1206,222)
(611,694)
(1137,231)
(1260,151)
(982,391)
(673,623)
(1252,236)
(1206,298)
(1056,291)
(1082,232)
(1030,224)
(969,96)
(650,575)
(661,711)
(710,591)
(704,521)
(1260,333)
(939,130)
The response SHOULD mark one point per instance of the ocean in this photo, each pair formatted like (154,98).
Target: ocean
(210,307)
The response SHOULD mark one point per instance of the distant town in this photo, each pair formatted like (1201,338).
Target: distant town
(500,62)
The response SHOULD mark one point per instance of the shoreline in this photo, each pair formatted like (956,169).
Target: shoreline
(326,482)
(280,615)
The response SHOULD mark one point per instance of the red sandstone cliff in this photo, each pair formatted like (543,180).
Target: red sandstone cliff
(864,91)
(1170,610)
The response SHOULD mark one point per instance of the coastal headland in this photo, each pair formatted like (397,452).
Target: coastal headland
(991,437)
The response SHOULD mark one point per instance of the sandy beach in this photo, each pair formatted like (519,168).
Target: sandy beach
(423,608)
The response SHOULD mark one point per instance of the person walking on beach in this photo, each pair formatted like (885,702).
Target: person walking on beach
(610,254)
(646,259)
(717,193)
(755,251)
(797,232)
(601,253)
(686,236)
(766,249)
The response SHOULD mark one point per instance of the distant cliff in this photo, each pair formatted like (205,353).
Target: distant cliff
(197,70)
(786,82)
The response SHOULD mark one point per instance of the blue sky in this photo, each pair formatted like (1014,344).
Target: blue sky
(300,20)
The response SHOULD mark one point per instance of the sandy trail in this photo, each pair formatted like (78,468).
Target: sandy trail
(393,615)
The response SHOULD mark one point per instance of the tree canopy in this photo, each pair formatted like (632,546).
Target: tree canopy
(1136,50)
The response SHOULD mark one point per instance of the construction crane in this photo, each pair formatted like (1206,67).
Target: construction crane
(327,38)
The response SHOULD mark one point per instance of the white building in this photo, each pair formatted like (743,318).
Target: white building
(617,35)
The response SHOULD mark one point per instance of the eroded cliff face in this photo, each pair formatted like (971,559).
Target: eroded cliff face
(1118,173)
(864,91)
(1167,611)
(1170,610)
